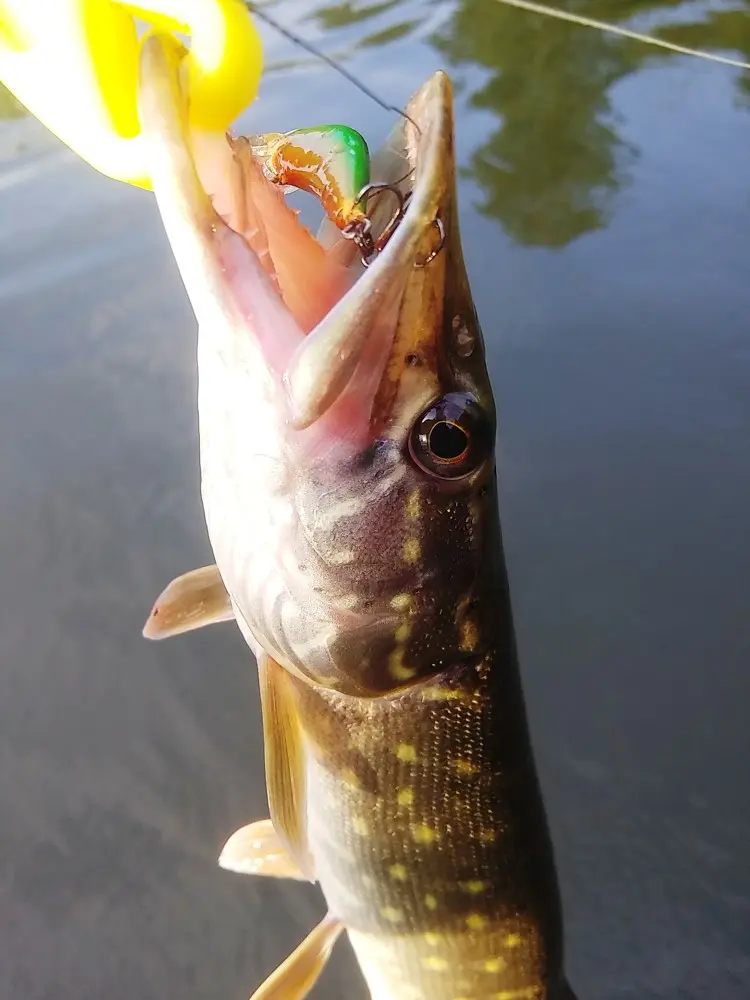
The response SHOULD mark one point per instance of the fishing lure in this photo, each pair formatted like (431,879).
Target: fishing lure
(331,162)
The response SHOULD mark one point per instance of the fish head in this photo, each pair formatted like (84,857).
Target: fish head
(347,424)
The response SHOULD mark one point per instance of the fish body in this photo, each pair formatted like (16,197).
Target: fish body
(429,837)
(349,485)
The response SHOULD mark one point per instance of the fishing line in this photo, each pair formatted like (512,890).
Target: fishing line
(373,246)
(615,29)
(296,39)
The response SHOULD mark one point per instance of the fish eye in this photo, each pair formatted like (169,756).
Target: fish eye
(452,437)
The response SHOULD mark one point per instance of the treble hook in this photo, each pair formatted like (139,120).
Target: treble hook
(360,231)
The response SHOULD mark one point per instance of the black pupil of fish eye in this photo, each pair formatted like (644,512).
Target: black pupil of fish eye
(448,441)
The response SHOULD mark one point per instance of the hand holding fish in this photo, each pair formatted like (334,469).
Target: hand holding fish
(74,64)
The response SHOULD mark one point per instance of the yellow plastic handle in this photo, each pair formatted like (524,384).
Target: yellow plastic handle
(74,64)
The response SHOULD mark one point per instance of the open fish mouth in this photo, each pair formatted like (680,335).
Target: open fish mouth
(324,328)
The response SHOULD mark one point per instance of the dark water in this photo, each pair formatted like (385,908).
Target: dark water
(605,207)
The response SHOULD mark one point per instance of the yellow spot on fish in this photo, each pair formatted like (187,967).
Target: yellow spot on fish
(405,797)
(495,965)
(464,766)
(522,993)
(398,668)
(513,941)
(360,826)
(430,901)
(475,886)
(423,834)
(350,778)
(413,504)
(342,557)
(401,602)
(402,633)
(406,752)
(399,872)
(476,922)
(411,551)
(435,963)
(469,635)
(441,694)
(392,914)
(487,836)
(433,940)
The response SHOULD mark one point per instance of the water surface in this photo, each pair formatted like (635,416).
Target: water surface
(605,212)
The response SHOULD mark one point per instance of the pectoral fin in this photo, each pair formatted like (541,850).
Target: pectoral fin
(256,849)
(295,977)
(190,601)
(285,764)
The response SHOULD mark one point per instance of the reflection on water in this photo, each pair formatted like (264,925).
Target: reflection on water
(551,169)
(720,30)
(342,15)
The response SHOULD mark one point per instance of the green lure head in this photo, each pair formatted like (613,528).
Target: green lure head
(345,149)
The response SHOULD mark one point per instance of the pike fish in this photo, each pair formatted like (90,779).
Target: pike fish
(347,441)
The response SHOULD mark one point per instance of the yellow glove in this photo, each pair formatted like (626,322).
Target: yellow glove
(74,64)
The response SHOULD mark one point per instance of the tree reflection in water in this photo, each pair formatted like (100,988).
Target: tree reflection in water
(550,170)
